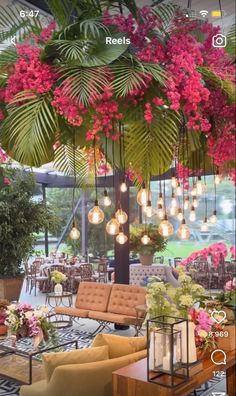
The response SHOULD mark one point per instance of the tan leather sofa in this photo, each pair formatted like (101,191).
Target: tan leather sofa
(94,378)
(106,303)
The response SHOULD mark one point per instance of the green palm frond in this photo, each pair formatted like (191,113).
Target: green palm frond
(64,162)
(85,84)
(226,85)
(28,132)
(231,41)
(127,78)
(61,10)
(12,24)
(93,28)
(165,13)
(7,59)
(149,147)
(66,49)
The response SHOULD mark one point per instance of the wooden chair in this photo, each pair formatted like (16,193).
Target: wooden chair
(102,273)
(36,279)
(159,260)
(86,272)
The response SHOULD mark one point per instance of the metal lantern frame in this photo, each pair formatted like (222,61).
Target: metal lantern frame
(172,377)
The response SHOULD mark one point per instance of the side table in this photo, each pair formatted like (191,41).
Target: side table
(54,300)
(132,379)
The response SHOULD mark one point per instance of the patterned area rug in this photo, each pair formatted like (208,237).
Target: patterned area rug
(9,387)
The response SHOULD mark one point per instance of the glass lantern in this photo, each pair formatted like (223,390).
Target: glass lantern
(167,348)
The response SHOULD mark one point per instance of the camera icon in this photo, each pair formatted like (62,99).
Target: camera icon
(219,41)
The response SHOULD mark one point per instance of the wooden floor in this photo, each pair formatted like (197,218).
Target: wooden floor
(17,367)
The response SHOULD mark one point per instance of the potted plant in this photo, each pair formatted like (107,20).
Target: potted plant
(21,218)
(146,251)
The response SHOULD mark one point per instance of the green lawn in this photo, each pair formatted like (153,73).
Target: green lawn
(184,248)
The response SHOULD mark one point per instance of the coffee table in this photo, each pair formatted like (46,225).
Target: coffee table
(25,349)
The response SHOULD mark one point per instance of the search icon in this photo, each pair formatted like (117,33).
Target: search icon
(219,359)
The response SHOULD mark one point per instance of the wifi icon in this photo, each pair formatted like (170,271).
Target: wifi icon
(203,13)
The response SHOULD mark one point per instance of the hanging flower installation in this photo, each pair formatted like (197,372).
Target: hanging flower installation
(217,251)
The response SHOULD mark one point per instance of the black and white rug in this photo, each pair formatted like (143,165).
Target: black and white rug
(9,387)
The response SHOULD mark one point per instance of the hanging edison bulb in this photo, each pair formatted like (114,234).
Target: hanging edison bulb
(165,228)
(179,190)
(112,226)
(143,196)
(183,231)
(145,239)
(160,200)
(213,218)
(121,216)
(204,226)
(180,214)
(106,199)
(74,233)
(186,202)
(172,210)
(173,202)
(95,215)
(121,238)
(123,186)
(192,215)
(174,182)
(148,209)
(200,186)
(194,191)
(160,212)
(195,202)
(218,177)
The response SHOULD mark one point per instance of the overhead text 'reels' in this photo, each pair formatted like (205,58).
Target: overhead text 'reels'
(121,40)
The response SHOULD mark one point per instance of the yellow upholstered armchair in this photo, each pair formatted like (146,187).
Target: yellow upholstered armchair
(88,371)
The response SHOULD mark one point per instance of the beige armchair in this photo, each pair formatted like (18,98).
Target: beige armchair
(90,379)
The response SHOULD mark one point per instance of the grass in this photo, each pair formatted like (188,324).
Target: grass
(184,248)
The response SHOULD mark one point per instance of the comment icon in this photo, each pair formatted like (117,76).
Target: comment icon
(218,357)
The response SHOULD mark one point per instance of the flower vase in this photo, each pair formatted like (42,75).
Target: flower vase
(13,339)
(38,338)
(58,289)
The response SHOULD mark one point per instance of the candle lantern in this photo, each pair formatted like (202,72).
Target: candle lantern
(168,344)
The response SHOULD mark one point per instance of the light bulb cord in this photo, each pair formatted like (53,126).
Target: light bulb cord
(105,180)
(95,167)
(74,171)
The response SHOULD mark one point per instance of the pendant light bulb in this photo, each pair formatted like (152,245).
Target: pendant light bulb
(160,199)
(186,203)
(143,196)
(160,212)
(123,186)
(74,233)
(200,186)
(165,228)
(148,209)
(192,215)
(183,231)
(121,216)
(218,178)
(95,215)
(179,190)
(180,216)
(106,199)
(121,238)
(174,182)
(213,218)
(173,202)
(145,239)
(204,226)
(195,202)
(112,226)
(194,191)
(173,211)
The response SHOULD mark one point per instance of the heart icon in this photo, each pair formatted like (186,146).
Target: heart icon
(218,316)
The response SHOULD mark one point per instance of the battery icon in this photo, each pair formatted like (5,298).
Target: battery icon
(217,13)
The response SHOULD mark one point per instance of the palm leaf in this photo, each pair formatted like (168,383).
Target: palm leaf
(165,13)
(85,84)
(231,41)
(61,10)
(12,24)
(226,85)
(66,49)
(149,147)
(64,162)
(28,132)
(7,59)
